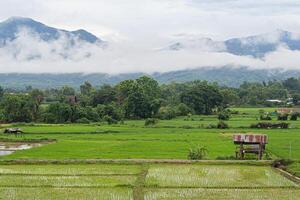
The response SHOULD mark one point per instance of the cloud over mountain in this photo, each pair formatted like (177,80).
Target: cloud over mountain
(30,46)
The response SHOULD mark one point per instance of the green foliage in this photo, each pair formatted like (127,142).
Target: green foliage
(110,120)
(83,121)
(167,113)
(282,116)
(294,116)
(222,125)
(202,97)
(67,91)
(197,153)
(296,98)
(18,108)
(266,117)
(292,84)
(86,88)
(59,113)
(113,110)
(183,110)
(105,95)
(189,117)
(266,125)
(140,97)
(151,122)
(224,115)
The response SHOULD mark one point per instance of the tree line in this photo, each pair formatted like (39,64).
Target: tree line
(137,99)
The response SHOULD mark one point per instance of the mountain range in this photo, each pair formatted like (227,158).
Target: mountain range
(226,76)
(257,46)
(10,28)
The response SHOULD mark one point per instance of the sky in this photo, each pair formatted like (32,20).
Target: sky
(136,29)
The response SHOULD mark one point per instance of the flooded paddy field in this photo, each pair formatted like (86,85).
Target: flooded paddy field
(7,148)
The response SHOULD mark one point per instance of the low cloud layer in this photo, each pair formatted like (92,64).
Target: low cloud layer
(29,54)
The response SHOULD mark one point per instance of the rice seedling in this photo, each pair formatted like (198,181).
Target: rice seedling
(224,194)
(70,169)
(66,181)
(214,176)
(66,193)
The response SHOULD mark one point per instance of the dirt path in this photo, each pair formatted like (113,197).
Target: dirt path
(138,190)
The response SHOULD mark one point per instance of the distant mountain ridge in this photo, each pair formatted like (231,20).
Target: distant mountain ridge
(25,39)
(257,46)
(226,76)
(10,28)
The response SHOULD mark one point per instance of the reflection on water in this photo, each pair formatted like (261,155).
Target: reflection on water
(4,153)
(7,148)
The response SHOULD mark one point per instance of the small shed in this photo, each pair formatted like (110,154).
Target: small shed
(250,143)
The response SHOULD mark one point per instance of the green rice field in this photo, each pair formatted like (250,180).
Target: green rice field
(144,181)
(25,174)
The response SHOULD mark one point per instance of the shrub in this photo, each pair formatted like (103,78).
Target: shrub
(166,112)
(113,110)
(267,125)
(151,122)
(49,118)
(83,121)
(183,110)
(282,117)
(222,125)
(224,115)
(92,114)
(109,120)
(265,117)
(197,153)
(234,112)
(294,116)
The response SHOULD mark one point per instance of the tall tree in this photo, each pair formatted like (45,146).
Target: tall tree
(202,97)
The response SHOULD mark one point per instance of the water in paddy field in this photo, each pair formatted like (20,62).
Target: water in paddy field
(7,148)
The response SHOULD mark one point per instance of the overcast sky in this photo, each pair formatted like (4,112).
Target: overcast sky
(150,24)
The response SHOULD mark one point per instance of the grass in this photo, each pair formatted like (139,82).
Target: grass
(154,143)
(294,168)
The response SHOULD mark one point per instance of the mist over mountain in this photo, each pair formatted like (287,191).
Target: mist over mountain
(257,46)
(26,39)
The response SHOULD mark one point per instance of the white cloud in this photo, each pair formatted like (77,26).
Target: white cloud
(136,28)
(122,57)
